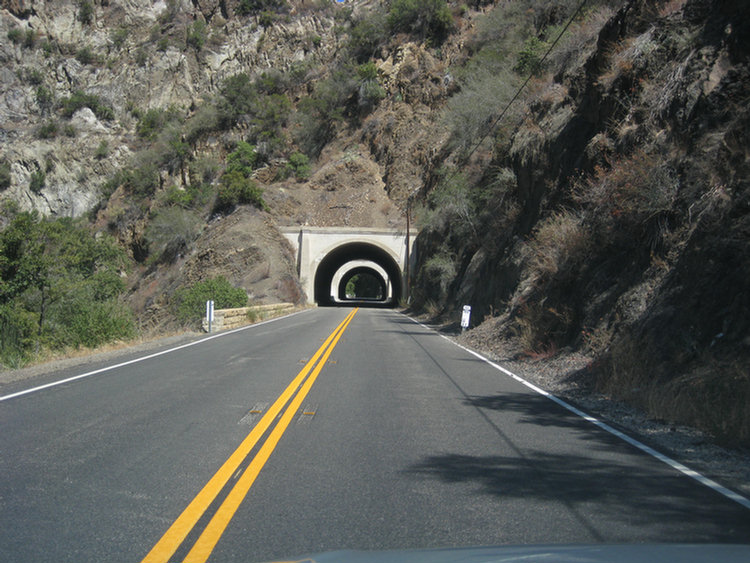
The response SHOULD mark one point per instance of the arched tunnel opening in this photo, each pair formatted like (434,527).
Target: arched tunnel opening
(378,286)
(362,283)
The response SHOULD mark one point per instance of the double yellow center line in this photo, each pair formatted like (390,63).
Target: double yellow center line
(296,391)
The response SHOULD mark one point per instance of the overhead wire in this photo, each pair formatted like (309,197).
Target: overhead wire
(492,126)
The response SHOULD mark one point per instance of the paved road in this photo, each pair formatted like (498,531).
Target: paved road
(401,440)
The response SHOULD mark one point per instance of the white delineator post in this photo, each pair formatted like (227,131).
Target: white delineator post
(209,314)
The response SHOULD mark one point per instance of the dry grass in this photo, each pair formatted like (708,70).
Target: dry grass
(712,395)
(558,243)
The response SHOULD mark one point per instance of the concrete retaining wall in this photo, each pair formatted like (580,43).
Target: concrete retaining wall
(226,319)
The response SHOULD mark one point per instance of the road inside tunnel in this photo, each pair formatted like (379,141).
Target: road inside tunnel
(384,269)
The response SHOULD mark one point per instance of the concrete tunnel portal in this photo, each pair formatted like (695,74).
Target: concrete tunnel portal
(375,260)
(329,294)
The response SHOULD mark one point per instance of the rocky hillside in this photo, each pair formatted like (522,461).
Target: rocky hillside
(578,169)
(608,212)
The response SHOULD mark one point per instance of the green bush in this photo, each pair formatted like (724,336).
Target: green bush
(15,35)
(119,36)
(155,120)
(298,165)
(82,321)
(370,90)
(238,96)
(530,57)
(37,181)
(102,151)
(367,36)
(4,174)
(86,56)
(196,35)
(247,7)
(427,18)
(44,97)
(190,302)
(141,179)
(319,115)
(243,159)
(48,130)
(85,12)
(80,99)
(235,189)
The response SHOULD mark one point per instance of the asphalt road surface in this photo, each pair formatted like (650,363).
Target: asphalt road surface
(330,429)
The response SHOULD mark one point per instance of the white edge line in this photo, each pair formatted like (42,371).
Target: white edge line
(702,479)
(141,359)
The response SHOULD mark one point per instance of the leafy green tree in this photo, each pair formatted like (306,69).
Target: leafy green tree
(238,96)
(56,277)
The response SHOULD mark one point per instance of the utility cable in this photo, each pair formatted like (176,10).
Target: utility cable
(525,83)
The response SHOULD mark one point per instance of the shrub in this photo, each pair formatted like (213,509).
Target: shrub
(367,36)
(370,90)
(190,302)
(85,12)
(86,56)
(238,95)
(171,232)
(235,189)
(196,35)
(82,321)
(80,99)
(155,120)
(631,192)
(44,98)
(247,7)
(37,181)
(243,159)
(5,177)
(428,18)
(141,179)
(319,114)
(558,246)
(530,58)
(438,273)
(298,165)
(102,151)
(47,130)
(15,35)
(119,36)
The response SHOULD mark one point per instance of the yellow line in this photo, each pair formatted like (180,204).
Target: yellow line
(178,531)
(215,528)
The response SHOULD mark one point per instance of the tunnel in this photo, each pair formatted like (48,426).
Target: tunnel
(326,295)
(369,283)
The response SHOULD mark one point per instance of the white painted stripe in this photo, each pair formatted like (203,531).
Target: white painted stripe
(732,495)
(141,359)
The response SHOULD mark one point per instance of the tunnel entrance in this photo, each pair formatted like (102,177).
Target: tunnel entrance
(369,272)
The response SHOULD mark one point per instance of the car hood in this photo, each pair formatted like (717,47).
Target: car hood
(644,553)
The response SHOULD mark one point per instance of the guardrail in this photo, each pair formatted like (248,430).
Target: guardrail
(225,319)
